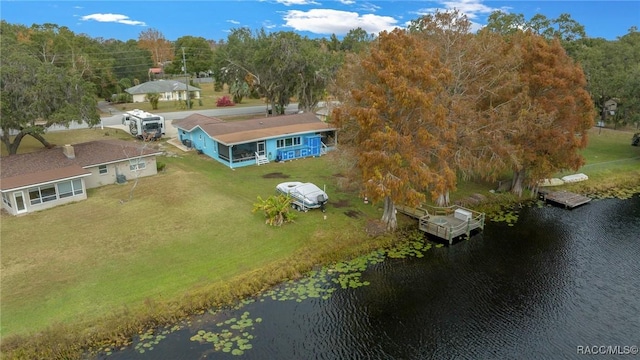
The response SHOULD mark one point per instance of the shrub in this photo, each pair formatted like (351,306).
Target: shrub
(224,101)
(160,166)
(277,209)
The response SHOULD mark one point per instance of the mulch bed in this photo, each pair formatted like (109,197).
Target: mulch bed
(275,175)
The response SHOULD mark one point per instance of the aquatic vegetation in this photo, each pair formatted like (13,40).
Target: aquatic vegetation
(234,337)
(347,274)
(409,249)
(615,193)
(147,340)
(150,338)
(505,215)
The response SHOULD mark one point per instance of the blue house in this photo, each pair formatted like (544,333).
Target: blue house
(257,141)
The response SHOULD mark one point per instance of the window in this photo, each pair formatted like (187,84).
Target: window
(291,141)
(69,188)
(42,194)
(6,200)
(102,169)
(137,164)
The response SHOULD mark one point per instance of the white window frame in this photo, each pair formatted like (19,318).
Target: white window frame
(76,188)
(103,169)
(293,141)
(40,199)
(6,199)
(137,164)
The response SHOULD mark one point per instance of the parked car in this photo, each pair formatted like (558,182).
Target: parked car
(305,196)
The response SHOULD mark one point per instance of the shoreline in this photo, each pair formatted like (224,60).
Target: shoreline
(76,340)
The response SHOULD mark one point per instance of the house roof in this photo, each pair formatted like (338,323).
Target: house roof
(159,86)
(194,120)
(21,170)
(238,132)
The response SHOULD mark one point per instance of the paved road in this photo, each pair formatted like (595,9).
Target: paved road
(115,119)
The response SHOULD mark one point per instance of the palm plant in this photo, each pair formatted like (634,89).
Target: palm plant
(276,208)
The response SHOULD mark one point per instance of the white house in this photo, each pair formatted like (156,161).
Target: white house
(48,178)
(169,90)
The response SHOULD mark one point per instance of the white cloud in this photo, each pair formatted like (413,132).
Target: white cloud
(328,21)
(235,22)
(297,2)
(366,6)
(348,2)
(116,18)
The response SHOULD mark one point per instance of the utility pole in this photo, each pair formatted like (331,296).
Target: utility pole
(186,80)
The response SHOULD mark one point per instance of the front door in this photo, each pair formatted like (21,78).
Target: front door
(260,148)
(18,196)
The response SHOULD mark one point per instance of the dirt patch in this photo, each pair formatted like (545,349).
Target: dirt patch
(275,175)
(340,203)
(355,214)
(375,228)
(338,175)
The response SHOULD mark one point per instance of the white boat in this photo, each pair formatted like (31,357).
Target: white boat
(575,178)
(551,182)
(305,195)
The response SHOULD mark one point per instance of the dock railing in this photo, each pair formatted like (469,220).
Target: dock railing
(441,221)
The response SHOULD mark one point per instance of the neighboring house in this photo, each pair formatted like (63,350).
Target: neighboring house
(48,178)
(257,141)
(155,73)
(168,90)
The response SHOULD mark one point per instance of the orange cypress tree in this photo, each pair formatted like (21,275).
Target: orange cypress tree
(483,80)
(554,111)
(391,117)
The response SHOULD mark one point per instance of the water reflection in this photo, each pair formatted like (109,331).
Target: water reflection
(558,279)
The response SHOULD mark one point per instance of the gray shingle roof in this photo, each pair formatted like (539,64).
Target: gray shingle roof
(159,86)
(49,165)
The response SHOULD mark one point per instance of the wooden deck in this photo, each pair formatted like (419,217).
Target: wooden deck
(567,199)
(445,222)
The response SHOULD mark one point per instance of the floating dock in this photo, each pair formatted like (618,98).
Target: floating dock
(445,222)
(568,199)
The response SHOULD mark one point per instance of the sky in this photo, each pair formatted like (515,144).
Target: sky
(213,19)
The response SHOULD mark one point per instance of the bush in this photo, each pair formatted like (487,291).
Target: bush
(121,98)
(224,101)
(160,166)
(276,209)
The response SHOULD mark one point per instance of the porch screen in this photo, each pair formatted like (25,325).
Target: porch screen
(223,152)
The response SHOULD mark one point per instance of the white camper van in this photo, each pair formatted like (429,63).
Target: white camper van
(144,125)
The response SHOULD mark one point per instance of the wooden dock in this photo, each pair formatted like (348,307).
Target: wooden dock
(445,222)
(568,199)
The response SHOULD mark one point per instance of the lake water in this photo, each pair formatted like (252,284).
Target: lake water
(558,283)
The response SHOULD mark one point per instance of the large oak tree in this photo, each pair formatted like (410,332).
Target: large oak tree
(38,91)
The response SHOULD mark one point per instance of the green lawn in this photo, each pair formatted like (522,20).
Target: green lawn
(610,152)
(186,228)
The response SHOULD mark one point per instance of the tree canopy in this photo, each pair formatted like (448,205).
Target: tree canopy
(40,89)
(279,66)
(436,102)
